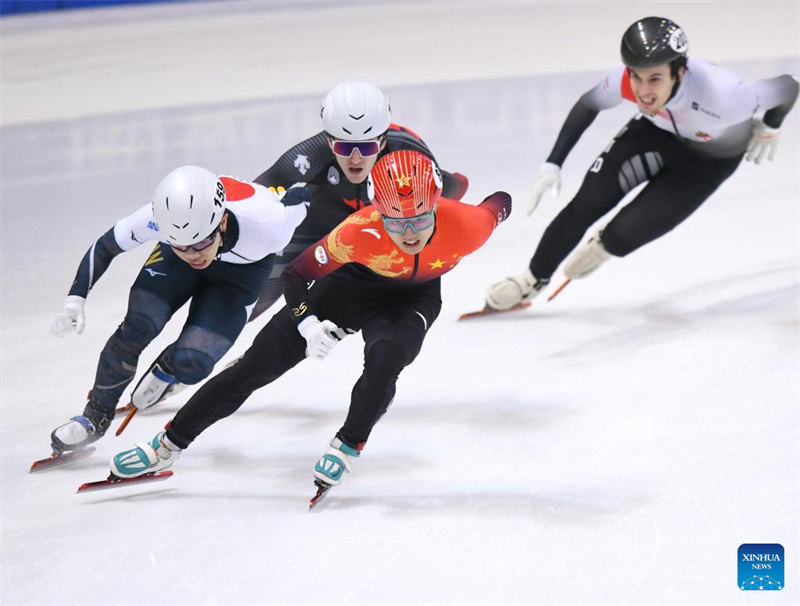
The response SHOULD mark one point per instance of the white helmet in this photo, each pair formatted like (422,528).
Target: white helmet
(188,205)
(356,111)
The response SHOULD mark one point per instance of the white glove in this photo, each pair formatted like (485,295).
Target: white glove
(321,337)
(70,318)
(549,178)
(763,141)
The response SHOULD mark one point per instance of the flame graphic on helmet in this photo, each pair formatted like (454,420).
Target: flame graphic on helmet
(405,183)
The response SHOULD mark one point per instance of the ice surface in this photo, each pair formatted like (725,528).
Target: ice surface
(615,446)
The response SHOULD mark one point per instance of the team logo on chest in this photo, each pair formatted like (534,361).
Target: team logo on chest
(699,108)
(302,164)
(333,176)
(155,256)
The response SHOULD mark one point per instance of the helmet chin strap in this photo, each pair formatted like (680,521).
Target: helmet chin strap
(220,248)
(674,90)
(223,238)
(677,85)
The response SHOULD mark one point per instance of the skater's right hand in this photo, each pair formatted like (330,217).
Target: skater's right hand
(549,178)
(71,317)
(321,337)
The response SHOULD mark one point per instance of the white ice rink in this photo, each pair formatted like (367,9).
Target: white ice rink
(614,446)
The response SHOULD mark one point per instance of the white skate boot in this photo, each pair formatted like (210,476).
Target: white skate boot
(334,463)
(514,290)
(587,258)
(145,457)
(82,430)
(153,387)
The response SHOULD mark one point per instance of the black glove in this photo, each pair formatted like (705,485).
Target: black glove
(296,195)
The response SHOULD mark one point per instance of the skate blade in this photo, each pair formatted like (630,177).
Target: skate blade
(559,289)
(132,411)
(116,482)
(488,311)
(59,460)
(322,491)
(126,408)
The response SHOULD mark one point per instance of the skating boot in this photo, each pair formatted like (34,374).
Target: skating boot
(145,457)
(514,290)
(81,430)
(334,462)
(154,386)
(587,258)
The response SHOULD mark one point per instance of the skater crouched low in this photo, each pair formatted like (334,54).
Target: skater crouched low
(377,272)
(695,123)
(215,242)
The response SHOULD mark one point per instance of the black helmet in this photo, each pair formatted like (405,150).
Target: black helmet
(653,41)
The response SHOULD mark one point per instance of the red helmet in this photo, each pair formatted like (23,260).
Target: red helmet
(405,183)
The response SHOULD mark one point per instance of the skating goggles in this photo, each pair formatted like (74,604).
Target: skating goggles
(198,246)
(417,224)
(365,148)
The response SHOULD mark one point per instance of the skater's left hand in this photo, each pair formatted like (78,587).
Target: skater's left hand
(296,194)
(764,141)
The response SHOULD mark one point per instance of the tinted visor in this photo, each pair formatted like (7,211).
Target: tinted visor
(365,148)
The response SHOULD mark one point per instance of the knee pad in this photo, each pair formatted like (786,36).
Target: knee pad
(192,357)
(191,366)
(137,330)
(117,365)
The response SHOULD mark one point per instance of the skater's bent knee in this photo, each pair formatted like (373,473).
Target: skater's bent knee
(191,366)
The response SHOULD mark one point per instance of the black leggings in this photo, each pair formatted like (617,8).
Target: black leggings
(679,181)
(393,322)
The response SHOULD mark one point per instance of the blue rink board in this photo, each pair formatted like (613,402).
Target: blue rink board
(10,7)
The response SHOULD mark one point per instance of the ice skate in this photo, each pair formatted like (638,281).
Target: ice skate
(587,258)
(115,482)
(172,390)
(71,441)
(154,387)
(145,457)
(82,430)
(513,291)
(331,467)
(59,459)
(334,463)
